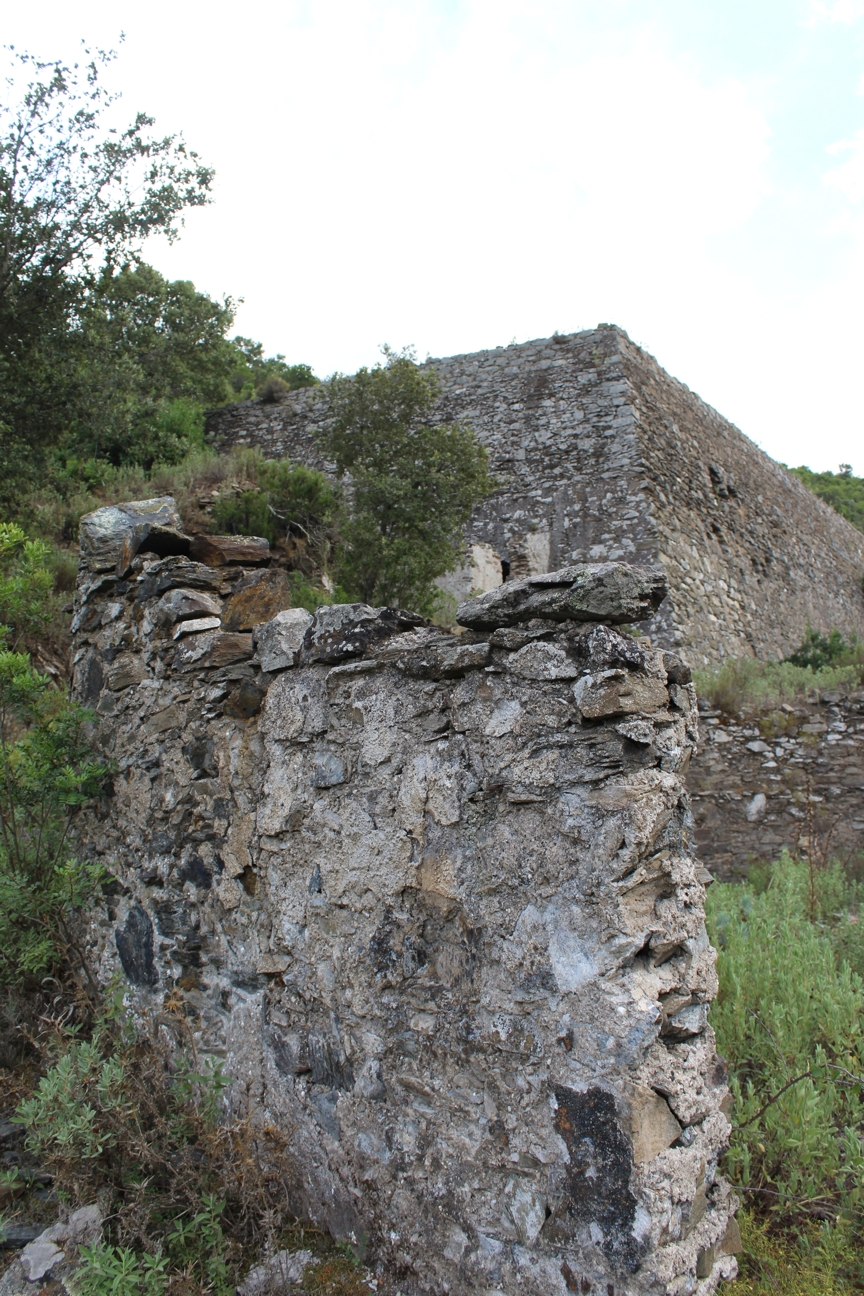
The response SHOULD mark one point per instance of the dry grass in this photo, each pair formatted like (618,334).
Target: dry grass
(744,686)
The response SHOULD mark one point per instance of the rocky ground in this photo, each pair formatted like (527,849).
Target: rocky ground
(793,778)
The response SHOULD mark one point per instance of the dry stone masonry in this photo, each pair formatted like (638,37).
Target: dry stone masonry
(790,779)
(605,457)
(433,899)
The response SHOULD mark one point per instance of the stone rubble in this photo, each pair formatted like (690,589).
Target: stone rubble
(799,787)
(433,900)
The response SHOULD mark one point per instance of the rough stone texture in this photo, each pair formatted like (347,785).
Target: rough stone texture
(104,533)
(50,1262)
(443,924)
(606,457)
(801,788)
(613,592)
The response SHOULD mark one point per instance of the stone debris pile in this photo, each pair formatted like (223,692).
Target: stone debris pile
(433,899)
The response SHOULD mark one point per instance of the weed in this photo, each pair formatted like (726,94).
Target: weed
(772,1263)
(790,1018)
(744,685)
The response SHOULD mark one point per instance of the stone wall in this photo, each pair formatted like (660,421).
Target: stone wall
(433,899)
(793,781)
(605,456)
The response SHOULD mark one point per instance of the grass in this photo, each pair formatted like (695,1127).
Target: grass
(744,685)
(789,1017)
(773,1264)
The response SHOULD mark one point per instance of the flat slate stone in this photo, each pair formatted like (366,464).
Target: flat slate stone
(220,551)
(611,591)
(343,630)
(102,533)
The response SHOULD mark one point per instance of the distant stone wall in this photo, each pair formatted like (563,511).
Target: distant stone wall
(605,456)
(433,898)
(796,783)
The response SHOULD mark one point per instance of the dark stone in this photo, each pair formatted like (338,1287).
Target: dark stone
(328,770)
(326,1112)
(196,872)
(676,670)
(90,680)
(444,659)
(328,1064)
(345,630)
(219,551)
(598,1174)
(174,917)
(290,1051)
(102,533)
(176,573)
(135,946)
(211,650)
(201,755)
(245,701)
(15,1236)
(256,598)
(601,647)
(611,591)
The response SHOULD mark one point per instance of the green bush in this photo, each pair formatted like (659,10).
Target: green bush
(47,771)
(789,1017)
(413,484)
(842,490)
(820,651)
(192,1191)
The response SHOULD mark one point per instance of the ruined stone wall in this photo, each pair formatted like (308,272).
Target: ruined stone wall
(605,456)
(795,780)
(434,900)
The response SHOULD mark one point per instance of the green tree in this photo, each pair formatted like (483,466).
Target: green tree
(266,376)
(842,490)
(413,483)
(75,195)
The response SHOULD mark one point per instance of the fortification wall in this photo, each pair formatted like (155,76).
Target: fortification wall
(605,456)
(433,899)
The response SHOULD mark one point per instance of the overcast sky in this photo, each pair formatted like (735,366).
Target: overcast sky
(456,174)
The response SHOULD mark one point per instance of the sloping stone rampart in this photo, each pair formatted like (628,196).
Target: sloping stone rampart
(433,899)
(605,456)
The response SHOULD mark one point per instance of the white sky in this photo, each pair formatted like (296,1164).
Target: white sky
(458,173)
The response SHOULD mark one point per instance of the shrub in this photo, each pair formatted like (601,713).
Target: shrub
(192,1191)
(789,1017)
(272,390)
(842,490)
(288,503)
(47,771)
(744,684)
(818,651)
(413,484)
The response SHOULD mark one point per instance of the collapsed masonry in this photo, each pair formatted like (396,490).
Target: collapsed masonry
(604,456)
(433,899)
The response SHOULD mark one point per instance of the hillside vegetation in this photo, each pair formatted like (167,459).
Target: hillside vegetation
(843,491)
